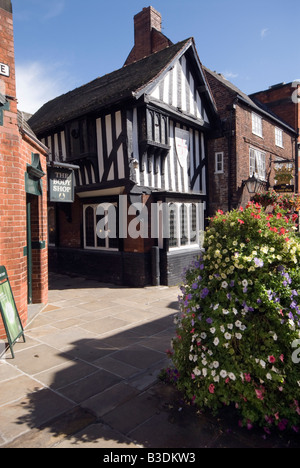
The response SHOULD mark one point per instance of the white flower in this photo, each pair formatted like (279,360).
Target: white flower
(197,371)
(222,328)
(223,373)
(224,284)
(212,330)
(238,336)
(215,364)
(262,363)
(238,323)
(216,341)
(203,335)
(204,372)
(216,378)
(204,362)
(234,311)
(216,306)
(191,357)
(230,326)
(269,376)
(227,336)
(245,283)
(243,327)
(231,376)
(225,311)
(274,336)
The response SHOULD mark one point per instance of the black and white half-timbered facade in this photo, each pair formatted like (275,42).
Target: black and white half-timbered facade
(138,136)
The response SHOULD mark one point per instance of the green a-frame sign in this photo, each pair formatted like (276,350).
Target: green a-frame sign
(9,313)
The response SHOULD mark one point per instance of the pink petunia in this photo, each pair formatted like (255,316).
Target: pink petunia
(259,394)
(211,388)
(271,359)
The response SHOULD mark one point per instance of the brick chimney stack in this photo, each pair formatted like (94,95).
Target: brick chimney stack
(148,37)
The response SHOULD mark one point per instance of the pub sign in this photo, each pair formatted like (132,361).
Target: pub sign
(61,185)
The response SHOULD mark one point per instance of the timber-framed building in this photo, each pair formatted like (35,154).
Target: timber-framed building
(139,139)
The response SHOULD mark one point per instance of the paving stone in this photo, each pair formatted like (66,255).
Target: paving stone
(91,385)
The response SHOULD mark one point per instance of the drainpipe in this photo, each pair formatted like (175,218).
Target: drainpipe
(229,139)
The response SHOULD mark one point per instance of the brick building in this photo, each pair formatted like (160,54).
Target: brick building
(284,100)
(23,193)
(249,141)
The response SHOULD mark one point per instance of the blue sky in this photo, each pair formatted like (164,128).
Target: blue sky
(63,44)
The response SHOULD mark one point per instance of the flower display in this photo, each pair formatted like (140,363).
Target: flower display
(236,328)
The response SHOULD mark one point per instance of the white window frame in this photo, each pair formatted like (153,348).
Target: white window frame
(178,221)
(257,125)
(257,164)
(278,137)
(219,162)
(95,246)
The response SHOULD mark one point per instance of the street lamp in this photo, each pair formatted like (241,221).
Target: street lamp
(253,184)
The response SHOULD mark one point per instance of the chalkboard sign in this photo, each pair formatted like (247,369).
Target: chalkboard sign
(11,319)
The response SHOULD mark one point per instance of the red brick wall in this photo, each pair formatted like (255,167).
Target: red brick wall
(70,224)
(279,99)
(283,101)
(15,154)
(148,37)
(235,140)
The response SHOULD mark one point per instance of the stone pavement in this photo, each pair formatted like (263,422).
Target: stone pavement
(87,377)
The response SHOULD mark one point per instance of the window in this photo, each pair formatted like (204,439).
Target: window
(278,137)
(101,229)
(257,164)
(219,163)
(184,221)
(257,125)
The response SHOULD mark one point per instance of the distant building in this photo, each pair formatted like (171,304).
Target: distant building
(139,136)
(23,187)
(252,140)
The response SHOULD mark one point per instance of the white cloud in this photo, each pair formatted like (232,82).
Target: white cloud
(37,84)
(264,32)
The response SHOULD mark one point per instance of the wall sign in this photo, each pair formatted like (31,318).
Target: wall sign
(4,69)
(182,142)
(11,319)
(61,185)
(284,188)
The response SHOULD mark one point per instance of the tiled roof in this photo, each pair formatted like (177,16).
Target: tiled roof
(255,104)
(25,128)
(106,91)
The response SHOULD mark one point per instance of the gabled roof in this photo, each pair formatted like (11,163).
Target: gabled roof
(114,88)
(255,104)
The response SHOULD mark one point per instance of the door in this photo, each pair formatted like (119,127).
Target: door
(29,249)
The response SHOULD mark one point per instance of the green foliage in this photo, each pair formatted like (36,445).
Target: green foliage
(239,327)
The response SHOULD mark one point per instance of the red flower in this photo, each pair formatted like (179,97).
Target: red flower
(241,221)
